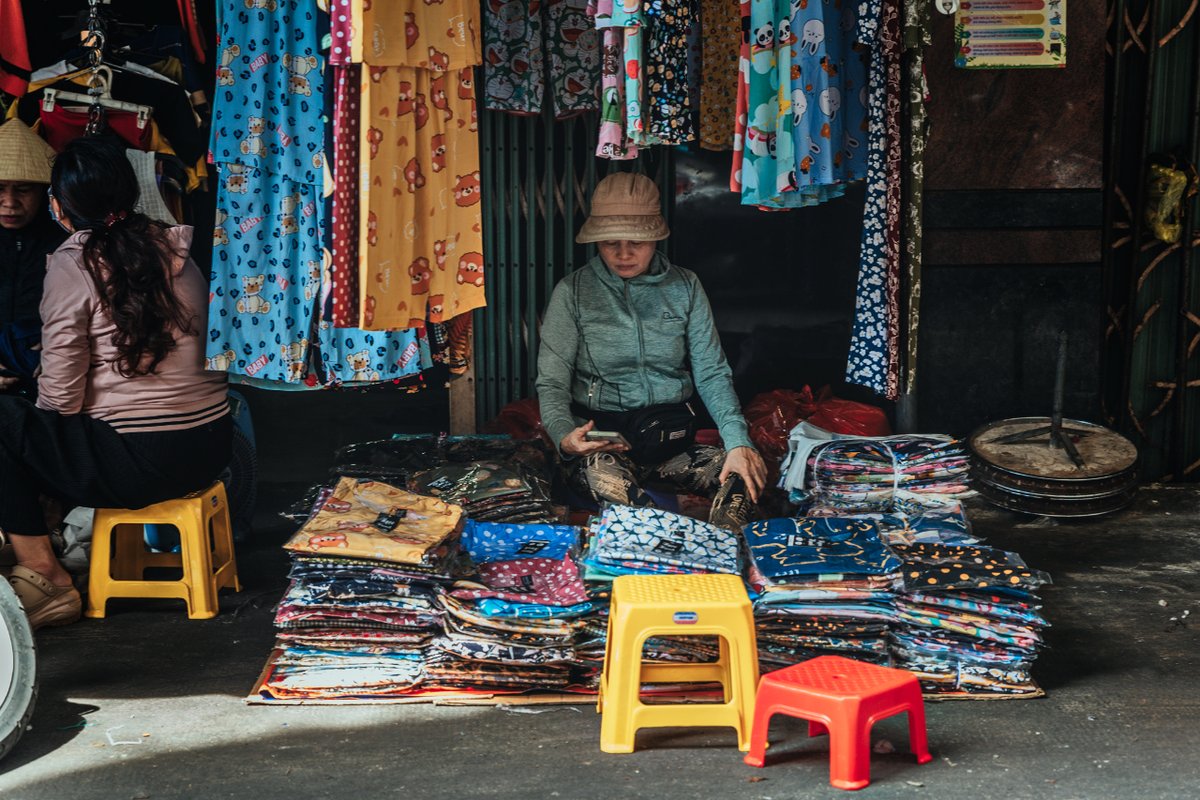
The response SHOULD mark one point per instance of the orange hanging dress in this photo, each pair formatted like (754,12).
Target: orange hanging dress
(421,233)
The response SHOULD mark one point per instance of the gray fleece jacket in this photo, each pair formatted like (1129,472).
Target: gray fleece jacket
(614,344)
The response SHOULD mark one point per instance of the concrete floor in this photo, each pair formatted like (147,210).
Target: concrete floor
(146,704)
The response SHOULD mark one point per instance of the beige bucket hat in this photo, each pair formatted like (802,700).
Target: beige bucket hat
(24,156)
(625,207)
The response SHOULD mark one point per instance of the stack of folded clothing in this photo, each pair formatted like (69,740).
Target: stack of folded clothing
(496,653)
(508,627)
(889,473)
(824,586)
(490,491)
(627,540)
(968,619)
(362,607)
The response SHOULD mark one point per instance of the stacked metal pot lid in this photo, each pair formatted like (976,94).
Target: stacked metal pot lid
(1015,465)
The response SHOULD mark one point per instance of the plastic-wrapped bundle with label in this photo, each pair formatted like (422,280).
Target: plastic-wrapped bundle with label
(869,474)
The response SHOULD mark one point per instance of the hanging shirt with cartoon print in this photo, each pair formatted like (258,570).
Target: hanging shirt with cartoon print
(420,223)
(268,141)
(802,137)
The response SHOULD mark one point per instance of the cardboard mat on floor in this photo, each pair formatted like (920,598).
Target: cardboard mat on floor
(260,695)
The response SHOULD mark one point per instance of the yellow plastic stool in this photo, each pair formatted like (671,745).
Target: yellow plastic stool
(120,557)
(677,605)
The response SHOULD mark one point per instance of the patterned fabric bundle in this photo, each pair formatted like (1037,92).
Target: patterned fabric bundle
(539,581)
(865,474)
(944,525)
(947,525)
(368,519)
(968,620)
(494,541)
(351,627)
(631,540)
(300,609)
(515,611)
(825,586)
(360,622)
(508,653)
(489,491)
(789,547)
(400,459)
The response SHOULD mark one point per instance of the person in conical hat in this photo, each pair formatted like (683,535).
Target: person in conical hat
(27,236)
(628,344)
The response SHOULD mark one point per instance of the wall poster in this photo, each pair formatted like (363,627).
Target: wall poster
(997,34)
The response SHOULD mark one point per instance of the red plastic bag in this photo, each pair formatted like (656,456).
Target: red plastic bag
(772,415)
(520,419)
(849,417)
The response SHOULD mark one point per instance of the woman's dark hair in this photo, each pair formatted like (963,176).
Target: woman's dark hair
(127,254)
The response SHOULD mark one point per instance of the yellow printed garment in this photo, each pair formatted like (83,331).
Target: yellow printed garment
(719,79)
(440,36)
(421,238)
(368,519)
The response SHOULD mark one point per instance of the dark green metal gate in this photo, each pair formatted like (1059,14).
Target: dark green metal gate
(537,176)
(1152,330)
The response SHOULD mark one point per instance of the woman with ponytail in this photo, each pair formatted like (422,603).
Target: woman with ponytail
(126,414)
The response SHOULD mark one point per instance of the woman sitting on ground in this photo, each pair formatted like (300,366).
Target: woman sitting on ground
(627,341)
(126,415)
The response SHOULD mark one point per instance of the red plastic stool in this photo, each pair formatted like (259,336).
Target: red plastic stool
(844,698)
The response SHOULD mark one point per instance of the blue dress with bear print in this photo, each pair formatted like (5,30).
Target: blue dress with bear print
(268,142)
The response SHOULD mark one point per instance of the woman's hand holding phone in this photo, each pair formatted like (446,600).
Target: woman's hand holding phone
(579,443)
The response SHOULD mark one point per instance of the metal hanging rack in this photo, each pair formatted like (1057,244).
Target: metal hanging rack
(99,94)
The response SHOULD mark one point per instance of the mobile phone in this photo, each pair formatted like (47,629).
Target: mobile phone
(605,436)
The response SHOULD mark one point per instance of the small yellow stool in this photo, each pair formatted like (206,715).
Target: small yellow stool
(120,557)
(677,605)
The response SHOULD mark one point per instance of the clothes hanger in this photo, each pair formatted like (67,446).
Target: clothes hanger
(99,94)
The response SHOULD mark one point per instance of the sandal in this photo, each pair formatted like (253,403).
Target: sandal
(45,604)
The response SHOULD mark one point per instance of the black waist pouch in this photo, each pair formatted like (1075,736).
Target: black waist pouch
(655,434)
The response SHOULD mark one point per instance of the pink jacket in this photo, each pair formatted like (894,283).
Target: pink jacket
(79,373)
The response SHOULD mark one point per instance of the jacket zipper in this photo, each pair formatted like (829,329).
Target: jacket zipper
(637,321)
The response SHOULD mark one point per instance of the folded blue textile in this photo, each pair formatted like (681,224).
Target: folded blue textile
(650,540)
(788,547)
(499,541)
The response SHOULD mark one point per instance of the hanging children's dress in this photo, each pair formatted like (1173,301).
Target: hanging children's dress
(720,44)
(345,78)
(667,101)
(347,113)
(622,124)
(268,141)
(802,110)
(519,44)
(420,226)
